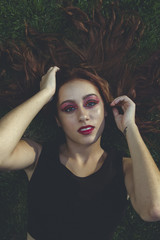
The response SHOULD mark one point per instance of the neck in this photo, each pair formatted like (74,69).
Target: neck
(82,153)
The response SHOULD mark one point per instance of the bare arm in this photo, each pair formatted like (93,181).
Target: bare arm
(142,176)
(16,153)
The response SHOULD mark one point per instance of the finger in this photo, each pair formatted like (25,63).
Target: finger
(120,100)
(115,112)
(55,69)
(115,101)
(50,69)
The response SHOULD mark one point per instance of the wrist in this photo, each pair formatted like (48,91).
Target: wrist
(129,127)
(45,95)
(48,93)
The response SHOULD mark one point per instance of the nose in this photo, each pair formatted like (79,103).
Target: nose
(83,115)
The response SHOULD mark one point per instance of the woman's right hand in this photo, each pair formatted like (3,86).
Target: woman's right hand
(48,81)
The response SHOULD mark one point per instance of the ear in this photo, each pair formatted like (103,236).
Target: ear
(58,122)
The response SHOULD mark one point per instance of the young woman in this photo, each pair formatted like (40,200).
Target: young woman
(77,189)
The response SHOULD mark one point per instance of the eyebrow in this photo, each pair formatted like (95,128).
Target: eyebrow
(71,100)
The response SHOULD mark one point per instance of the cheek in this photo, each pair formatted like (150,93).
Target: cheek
(66,121)
(98,113)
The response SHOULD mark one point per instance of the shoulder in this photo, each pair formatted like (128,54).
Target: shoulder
(127,164)
(43,155)
(24,155)
(127,170)
(37,148)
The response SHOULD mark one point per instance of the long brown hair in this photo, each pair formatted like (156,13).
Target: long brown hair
(104,50)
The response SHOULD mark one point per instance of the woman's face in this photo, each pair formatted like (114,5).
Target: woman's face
(80,112)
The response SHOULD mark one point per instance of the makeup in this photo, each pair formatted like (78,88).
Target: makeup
(68,107)
(85,130)
(90,101)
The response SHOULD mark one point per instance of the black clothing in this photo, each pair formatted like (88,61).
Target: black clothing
(64,206)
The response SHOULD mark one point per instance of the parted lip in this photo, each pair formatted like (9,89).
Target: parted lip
(85,127)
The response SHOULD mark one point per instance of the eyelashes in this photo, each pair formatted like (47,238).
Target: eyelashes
(69,108)
(91,103)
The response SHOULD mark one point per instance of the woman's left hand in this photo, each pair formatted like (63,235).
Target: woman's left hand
(128,116)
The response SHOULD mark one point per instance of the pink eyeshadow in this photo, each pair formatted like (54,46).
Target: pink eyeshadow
(92,97)
(67,104)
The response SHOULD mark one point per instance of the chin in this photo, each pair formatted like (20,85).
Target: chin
(91,140)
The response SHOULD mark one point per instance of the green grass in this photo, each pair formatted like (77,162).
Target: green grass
(48,16)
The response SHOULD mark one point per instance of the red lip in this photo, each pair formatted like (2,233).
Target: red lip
(86,129)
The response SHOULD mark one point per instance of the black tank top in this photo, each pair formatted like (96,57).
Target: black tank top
(64,206)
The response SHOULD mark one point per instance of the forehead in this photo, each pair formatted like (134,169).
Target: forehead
(76,89)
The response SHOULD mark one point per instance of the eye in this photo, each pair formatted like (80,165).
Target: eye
(90,103)
(69,108)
